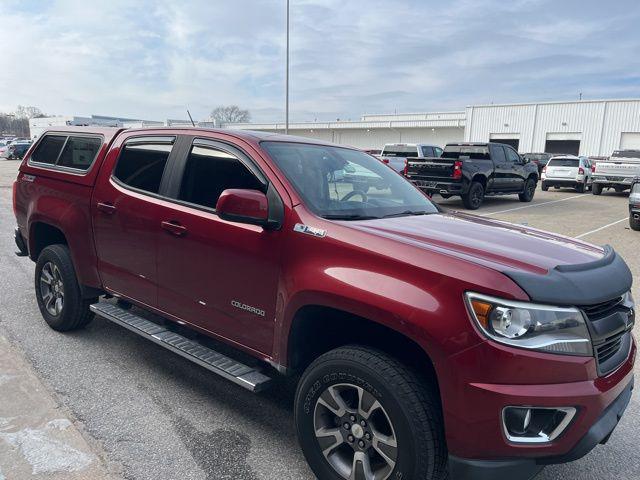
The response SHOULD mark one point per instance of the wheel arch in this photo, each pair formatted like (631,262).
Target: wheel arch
(317,329)
(41,235)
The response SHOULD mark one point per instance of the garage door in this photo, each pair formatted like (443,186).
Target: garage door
(571,147)
(514,142)
(630,141)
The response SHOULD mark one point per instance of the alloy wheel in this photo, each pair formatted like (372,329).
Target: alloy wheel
(355,433)
(52,289)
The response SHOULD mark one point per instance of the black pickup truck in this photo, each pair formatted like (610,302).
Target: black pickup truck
(473,170)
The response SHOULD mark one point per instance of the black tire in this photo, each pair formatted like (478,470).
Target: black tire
(580,188)
(474,196)
(529,190)
(596,189)
(633,223)
(544,187)
(74,312)
(618,189)
(412,407)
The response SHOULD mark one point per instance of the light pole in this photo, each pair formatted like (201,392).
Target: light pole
(286,81)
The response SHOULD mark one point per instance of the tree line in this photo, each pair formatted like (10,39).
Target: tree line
(16,123)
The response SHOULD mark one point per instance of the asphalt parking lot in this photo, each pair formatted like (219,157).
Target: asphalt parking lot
(154,415)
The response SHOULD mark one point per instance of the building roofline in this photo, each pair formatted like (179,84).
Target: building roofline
(557,102)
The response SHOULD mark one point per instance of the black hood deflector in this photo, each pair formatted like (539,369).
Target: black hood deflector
(580,284)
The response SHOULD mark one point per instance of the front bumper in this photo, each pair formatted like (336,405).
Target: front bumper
(599,433)
(482,384)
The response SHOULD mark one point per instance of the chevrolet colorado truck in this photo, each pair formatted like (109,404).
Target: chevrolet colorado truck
(425,344)
(473,170)
(617,172)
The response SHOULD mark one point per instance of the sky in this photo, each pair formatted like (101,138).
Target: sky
(154,59)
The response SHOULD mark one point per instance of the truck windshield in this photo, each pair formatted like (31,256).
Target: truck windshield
(400,151)
(343,184)
(470,151)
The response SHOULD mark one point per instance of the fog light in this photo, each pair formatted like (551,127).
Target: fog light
(535,424)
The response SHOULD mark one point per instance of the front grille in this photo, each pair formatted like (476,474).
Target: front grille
(600,309)
(609,348)
(610,325)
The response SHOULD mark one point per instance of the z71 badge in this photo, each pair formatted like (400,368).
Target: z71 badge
(316,232)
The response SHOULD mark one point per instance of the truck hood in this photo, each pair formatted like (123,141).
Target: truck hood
(492,243)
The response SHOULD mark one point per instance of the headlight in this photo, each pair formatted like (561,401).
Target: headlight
(532,326)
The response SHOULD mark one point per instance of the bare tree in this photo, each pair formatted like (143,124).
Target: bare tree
(28,112)
(230,114)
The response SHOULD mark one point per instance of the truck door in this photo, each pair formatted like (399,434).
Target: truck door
(502,168)
(517,177)
(126,220)
(218,275)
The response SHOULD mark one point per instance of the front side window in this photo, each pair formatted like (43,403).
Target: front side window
(79,152)
(512,156)
(209,172)
(48,149)
(339,183)
(141,165)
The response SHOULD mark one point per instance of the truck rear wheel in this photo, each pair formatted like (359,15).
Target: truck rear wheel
(361,414)
(596,189)
(58,292)
(474,196)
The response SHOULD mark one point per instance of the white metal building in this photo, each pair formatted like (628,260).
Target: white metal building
(589,127)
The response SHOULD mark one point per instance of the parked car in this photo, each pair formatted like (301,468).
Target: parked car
(397,155)
(539,159)
(567,171)
(634,204)
(425,344)
(618,172)
(14,150)
(473,170)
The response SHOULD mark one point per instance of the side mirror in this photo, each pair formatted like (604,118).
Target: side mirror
(243,206)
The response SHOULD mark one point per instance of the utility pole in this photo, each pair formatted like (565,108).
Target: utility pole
(286,81)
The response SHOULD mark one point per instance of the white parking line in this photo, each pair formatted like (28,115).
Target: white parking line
(535,205)
(602,228)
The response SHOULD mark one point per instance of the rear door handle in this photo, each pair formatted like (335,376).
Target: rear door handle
(174,228)
(106,208)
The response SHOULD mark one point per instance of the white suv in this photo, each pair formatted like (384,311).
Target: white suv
(567,171)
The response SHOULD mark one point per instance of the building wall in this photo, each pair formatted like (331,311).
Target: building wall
(597,124)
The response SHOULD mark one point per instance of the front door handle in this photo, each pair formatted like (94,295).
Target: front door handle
(106,208)
(174,228)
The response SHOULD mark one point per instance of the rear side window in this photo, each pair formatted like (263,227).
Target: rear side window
(141,165)
(209,172)
(498,155)
(48,149)
(79,152)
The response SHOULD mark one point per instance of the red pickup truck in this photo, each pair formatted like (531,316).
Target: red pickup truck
(426,343)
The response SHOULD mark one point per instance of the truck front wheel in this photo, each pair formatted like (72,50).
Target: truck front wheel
(58,292)
(361,414)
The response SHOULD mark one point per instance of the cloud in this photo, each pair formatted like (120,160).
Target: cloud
(153,59)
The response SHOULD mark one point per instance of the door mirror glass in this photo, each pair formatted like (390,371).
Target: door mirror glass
(243,206)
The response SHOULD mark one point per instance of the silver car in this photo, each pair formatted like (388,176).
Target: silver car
(567,171)
(634,204)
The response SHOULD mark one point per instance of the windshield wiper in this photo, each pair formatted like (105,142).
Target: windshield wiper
(407,212)
(349,217)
